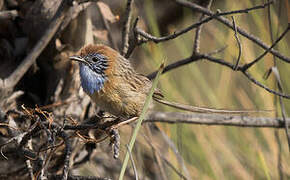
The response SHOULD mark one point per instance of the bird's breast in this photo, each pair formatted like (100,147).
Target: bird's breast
(91,82)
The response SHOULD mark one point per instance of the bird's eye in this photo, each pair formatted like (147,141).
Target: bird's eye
(95,59)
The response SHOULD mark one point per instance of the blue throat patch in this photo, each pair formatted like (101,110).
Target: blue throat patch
(90,80)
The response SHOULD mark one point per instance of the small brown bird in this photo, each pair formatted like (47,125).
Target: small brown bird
(111,82)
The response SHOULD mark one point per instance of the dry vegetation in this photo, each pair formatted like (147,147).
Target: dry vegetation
(220,54)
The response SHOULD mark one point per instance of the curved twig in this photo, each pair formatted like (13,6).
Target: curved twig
(228,23)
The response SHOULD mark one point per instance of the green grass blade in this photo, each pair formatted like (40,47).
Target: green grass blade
(139,121)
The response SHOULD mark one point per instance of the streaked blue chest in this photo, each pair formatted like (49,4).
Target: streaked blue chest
(91,82)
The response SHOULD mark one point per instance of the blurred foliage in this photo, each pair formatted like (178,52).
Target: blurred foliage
(212,152)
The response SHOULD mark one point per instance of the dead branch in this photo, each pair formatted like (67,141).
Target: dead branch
(215,119)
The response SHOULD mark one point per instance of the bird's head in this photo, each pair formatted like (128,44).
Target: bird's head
(96,65)
(97,62)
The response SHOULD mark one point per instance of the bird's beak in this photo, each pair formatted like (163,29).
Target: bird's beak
(78,58)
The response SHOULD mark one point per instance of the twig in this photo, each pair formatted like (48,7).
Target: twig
(262,6)
(265,87)
(133,164)
(276,133)
(253,80)
(173,168)
(149,37)
(135,41)
(215,119)
(177,64)
(155,149)
(117,125)
(196,42)
(23,139)
(283,112)
(279,163)
(222,62)
(286,124)
(67,153)
(228,23)
(28,162)
(126,27)
(177,154)
(239,44)
(247,66)
(156,155)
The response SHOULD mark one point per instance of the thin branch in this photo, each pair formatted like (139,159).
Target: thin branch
(265,87)
(193,58)
(156,150)
(126,27)
(224,63)
(196,42)
(173,168)
(219,61)
(247,10)
(276,73)
(228,23)
(179,158)
(29,164)
(284,118)
(283,112)
(247,66)
(279,163)
(150,37)
(177,64)
(132,161)
(134,41)
(215,119)
(156,155)
(67,153)
(239,44)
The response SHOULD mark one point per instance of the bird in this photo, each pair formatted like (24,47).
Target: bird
(113,85)
(111,81)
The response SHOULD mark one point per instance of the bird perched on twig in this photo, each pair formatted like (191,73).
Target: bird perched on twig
(111,82)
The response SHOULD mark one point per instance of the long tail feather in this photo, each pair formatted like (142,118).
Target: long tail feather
(206,110)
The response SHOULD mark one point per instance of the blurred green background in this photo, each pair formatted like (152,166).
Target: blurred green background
(218,152)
